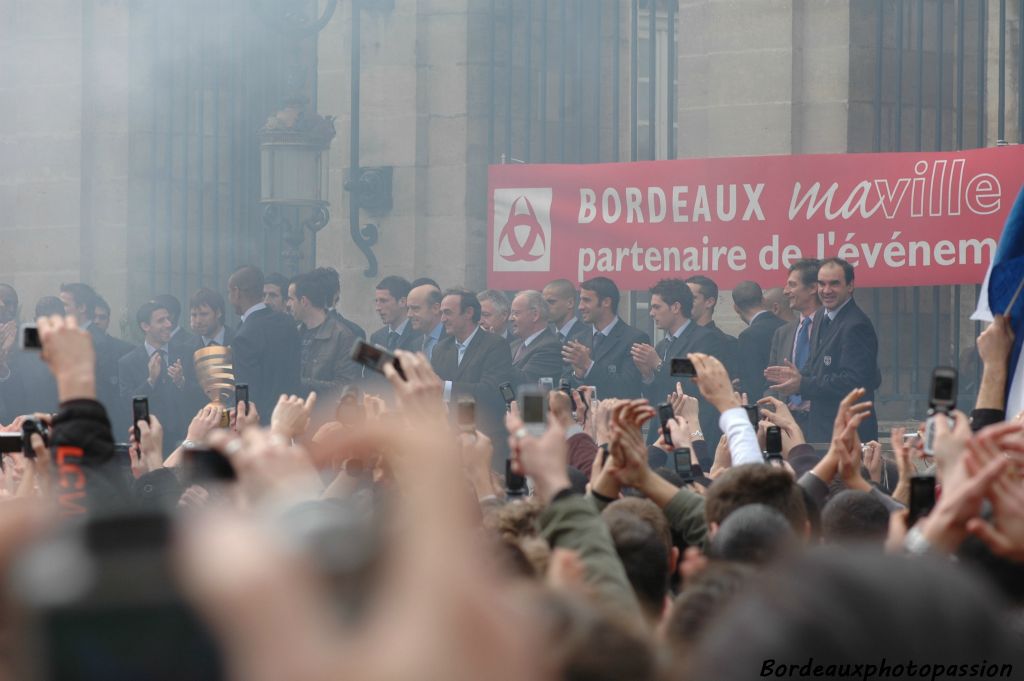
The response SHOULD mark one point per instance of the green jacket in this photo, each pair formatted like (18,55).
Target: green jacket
(685,514)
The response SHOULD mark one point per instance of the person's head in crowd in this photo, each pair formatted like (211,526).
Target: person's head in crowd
(424,281)
(859,610)
(755,484)
(8,303)
(206,313)
(643,555)
(424,308)
(275,291)
(47,306)
(309,298)
(748,300)
(389,300)
(801,290)
(172,305)
(460,313)
(155,321)
(245,289)
(776,303)
(560,296)
(528,314)
(79,302)
(646,511)
(494,310)
(755,534)
(671,304)
(331,281)
(853,516)
(705,298)
(706,596)
(599,302)
(101,314)
(835,283)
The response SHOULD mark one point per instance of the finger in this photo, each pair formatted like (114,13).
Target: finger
(310,402)
(38,447)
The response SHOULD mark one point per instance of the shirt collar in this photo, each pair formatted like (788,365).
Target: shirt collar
(469,340)
(254,308)
(151,349)
(568,327)
(400,330)
(832,313)
(755,317)
(608,329)
(529,340)
(436,333)
(679,332)
(218,338)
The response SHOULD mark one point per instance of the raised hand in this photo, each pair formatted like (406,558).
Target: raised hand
(291,415)
(713,381)
(578,356)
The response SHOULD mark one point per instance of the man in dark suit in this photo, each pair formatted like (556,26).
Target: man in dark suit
(560,296)
(705,299)
(80,302)
(792,341)
(671,303)
(604,360)
(494,313)
(206,312)
(154,370)
(536,352)
(390,302)
(844,356)
(755,341)
(473,362)
(265,349)
(424,304)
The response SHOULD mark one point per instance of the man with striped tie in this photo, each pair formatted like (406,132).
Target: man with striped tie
(390,301)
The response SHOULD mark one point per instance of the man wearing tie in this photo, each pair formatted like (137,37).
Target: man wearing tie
(843,356)
(792,341)
(604,360)
(473,362)
(671,303)
(154,370)
(206,317)
(560,296)
(425,317)
(390,302)
(536,352)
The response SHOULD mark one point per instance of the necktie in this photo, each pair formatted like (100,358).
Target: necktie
(392,343)
(803,343)
(826,321)
(663,347)
(598,337)
(520,351)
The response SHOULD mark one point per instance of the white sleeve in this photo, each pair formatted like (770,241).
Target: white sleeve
(742,439)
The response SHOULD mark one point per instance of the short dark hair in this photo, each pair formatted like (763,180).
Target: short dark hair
(146,310)
(248,280)
(467,299)
(564,287)
(854,516)
(643,555)
(703,599)
(315,287)
(747,295)
(807,269)
(398,287)
(331,281)
(424,281)
(674,291)
(209,298)
(277,279)
(756,483)
(604,288)
(708,288)
(754,533)
(171,304)
(847,267)
(48,306)
(83,295)
(101,304)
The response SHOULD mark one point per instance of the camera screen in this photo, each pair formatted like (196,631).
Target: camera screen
(30,337)
(683,367)
(944,386)
(533,408)
(368,355)
(507,393)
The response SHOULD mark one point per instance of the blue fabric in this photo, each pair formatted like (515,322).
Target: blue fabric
(1007,275)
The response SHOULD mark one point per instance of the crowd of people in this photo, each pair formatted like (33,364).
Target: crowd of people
(740,518)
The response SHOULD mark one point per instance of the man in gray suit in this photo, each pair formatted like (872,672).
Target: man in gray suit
(536,350)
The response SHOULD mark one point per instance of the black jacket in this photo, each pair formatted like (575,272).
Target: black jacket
(171,404)
(726,349)
(843,357)
(109,351)
(88,477)
(614,374)
(541,359)
(265,355)
(755,346)
(410,339)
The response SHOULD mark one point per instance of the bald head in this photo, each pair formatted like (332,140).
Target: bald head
(424,308)
(776,303)
(245,288)
(529,313)
(560,297)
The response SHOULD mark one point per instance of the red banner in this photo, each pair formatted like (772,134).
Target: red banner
(902,219)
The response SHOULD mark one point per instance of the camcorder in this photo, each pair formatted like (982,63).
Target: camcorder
(21,443)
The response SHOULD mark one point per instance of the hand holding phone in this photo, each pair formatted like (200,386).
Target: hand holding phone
(533,407)
(465,413)
(681,366)
(375,358)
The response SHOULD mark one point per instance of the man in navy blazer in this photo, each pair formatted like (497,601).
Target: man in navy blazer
(844,356)
(390,303)
(604,358)
(265,349)
(755,341)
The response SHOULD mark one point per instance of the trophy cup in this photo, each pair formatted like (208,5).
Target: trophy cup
(216,377)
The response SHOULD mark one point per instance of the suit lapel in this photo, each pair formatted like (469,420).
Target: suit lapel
(470,353)
(608,341)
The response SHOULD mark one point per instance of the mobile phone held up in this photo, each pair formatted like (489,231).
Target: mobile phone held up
(533,408)
(922,497)
(30,338)
(941,402)
(375,358)
(682,366)
(140,412)
(665,414)
(242,395)
(465,414)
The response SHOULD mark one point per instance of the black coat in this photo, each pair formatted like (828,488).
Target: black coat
(541,359)
(614,374)
(167,402)
(726,349)
(843,357)
(265,355)
(755,346)
(410,339)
